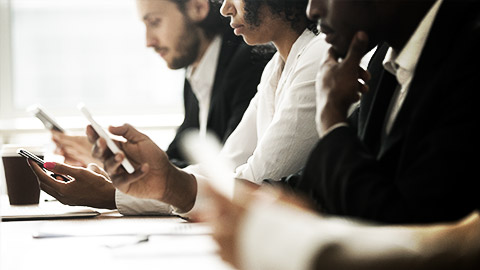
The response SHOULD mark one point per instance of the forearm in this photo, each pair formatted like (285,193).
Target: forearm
(181,190)
(345,178)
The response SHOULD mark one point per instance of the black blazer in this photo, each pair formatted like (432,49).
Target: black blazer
(425,169)
(237,76)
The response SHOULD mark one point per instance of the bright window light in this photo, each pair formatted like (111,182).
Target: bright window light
(91,51)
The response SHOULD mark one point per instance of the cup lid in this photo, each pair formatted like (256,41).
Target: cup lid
(10,150)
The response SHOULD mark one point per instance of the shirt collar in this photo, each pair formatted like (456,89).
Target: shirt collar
(298,47)
(204,73)
(408,57)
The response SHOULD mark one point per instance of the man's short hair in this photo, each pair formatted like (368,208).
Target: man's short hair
(214,23)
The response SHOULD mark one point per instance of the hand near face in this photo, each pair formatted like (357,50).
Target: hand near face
(75,149)
(89,187)
(154,177)
(338,85)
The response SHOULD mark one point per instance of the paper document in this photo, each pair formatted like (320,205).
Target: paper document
(45,211)
(119,227)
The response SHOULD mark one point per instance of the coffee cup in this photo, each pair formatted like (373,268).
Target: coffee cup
(22,184)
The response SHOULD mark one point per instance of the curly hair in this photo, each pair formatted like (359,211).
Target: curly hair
(214,23)
(292,10)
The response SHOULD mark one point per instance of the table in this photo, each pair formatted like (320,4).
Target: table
(109,241)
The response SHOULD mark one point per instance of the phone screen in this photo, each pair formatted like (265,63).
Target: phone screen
(102,133)
(46,119)
(31,156)
(40,162)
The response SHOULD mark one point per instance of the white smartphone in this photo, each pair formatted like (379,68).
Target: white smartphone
(102,133)
(46,119)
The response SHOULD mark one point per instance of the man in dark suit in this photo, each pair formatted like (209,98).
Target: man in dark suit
(218,96)
(192,34)
(222,76)
(231,92)
(408,153)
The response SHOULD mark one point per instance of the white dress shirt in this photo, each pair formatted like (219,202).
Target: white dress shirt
(403,65)
(278,130)
(201,80)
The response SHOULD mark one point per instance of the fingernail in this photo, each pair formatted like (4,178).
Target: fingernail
(118,157)
(49,165)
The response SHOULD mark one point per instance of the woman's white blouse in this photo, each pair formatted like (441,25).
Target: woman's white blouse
(277,131)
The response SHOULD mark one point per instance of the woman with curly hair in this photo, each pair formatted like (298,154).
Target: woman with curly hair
(278,129)
(273,138)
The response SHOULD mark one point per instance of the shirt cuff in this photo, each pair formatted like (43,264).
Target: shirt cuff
(326,132)
(129,205)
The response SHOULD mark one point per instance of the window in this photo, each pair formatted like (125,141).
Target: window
(61,52)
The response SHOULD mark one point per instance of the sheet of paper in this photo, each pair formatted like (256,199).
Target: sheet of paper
(119,227)
(51,210)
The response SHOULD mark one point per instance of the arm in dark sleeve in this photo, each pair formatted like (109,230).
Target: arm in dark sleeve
(434,176)
(190,121)
(241,86)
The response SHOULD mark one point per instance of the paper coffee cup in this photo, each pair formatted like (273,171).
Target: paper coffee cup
(22,184)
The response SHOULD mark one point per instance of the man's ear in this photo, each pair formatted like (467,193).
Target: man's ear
(197,10)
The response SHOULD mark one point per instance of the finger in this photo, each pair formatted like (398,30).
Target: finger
(64,140)
(96,169)
(364,74)
(44,177)
(99,150)
(128,132)
(114,163)
(91,134)
(70,151)
(59,151)
(63,169)
(51,191)
(331,56)
(123,180)
(55,132)
(35,168)
(55,136)
(358,48)
(363,88)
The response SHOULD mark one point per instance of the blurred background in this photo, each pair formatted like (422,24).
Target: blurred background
(58,53)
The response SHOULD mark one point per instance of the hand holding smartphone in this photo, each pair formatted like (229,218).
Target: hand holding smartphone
(40,162)
(103,134)
(46,119)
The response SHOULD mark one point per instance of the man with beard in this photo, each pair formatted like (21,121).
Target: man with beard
(222,74)
(192,34)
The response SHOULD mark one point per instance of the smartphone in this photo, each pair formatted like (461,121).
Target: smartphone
(102,133)
(40,162)
(46,119)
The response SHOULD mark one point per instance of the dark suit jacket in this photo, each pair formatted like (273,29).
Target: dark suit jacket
(425,169)
(236,79)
